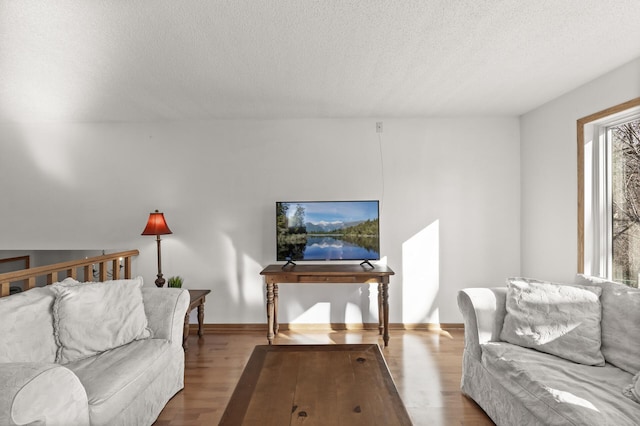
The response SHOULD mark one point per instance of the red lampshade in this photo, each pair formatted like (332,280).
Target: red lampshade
(156,225)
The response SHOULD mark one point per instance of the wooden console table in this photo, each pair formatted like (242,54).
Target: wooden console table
(197,298)
(327,274)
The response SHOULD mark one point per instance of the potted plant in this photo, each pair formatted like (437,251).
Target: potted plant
(175,282)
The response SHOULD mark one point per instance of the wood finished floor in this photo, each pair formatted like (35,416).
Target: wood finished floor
(425,366)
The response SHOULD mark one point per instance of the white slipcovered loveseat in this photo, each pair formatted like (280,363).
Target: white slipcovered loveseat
(106,353)
(540,353)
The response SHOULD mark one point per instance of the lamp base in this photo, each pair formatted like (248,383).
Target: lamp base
(160,281)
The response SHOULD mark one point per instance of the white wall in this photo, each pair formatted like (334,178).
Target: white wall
(549,172)
(450,192)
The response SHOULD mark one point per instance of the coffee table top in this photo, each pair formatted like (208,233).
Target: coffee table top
(317,384)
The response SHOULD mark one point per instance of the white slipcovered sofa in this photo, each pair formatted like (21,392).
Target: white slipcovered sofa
(76,354)
(540,353)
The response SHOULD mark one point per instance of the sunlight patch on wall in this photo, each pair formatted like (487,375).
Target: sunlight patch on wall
(352,313)
(421,276)
(227,247)
(247,278)
(52,156)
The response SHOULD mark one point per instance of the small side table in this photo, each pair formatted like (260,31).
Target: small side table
(197,301)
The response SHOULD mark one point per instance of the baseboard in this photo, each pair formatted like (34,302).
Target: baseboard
(261,327)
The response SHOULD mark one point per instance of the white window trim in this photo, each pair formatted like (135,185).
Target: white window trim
(594,191)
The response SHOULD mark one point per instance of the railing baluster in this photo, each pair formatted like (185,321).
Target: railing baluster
(115,269)
(103,271)
(127,267)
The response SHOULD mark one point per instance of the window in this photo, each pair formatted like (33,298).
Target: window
(625,201)
(609,193)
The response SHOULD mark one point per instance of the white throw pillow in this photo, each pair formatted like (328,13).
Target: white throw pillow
(620,319)
(69,282)
(26,333)
(90,318)
(562,320)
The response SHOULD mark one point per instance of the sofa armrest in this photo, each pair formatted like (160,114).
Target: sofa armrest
(166,309)
(483,311)
(42,394)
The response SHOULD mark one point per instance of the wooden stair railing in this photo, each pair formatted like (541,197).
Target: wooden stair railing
(70,269)
(25,259)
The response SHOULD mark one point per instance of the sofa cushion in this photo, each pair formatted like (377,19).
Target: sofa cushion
(552,387)
(90,318)
(114,378)
(27,327)
(620,322)
(632,390)
(562,320)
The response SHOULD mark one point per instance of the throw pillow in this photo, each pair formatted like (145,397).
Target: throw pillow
(620,319)
(27,332)
(562,320)
(90,318)
(68,282)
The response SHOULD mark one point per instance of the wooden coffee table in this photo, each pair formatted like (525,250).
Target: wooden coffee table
(316,385)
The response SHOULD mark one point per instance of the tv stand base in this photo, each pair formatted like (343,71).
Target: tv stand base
(289,262)
(366,262)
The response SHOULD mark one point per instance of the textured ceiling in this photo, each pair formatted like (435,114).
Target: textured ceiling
(159,60)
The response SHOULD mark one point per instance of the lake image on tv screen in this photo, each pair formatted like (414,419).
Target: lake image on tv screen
(340,230)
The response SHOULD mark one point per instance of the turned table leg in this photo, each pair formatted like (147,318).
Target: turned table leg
(276,326)
(185,332)
(200,319)
(270,313)
(385,308)
(380,310)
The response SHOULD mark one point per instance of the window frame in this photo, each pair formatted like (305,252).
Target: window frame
(594,244)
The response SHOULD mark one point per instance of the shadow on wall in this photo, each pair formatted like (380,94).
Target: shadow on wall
(233,277)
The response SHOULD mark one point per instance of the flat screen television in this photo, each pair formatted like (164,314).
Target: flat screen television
(327,230)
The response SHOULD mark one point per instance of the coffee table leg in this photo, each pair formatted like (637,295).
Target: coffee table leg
(270,312)
(380,310)
(385,307)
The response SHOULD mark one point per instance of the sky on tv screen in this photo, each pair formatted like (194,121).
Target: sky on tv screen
(336,211)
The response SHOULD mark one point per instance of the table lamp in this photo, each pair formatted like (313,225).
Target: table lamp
(156,225)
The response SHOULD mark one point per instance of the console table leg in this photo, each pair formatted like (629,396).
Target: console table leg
(276,326)
(380,310)
(385,306)
(270,312)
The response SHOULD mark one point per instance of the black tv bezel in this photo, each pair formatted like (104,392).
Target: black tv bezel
(290,260)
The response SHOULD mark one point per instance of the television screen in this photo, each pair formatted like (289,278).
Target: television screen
(327,230)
